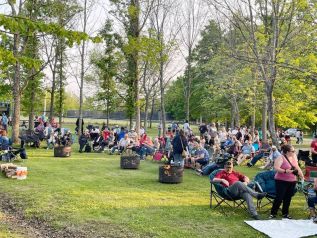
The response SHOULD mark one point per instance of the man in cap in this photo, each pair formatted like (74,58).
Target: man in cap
(236,183)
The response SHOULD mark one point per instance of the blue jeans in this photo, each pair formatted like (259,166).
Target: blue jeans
(178,159)
(146,150)
(257,158)
(312,200)
(209,168)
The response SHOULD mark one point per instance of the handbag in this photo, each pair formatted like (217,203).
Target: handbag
(158,156)
(295,171)
(184,153)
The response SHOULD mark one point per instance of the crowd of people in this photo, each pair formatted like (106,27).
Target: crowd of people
(213,148)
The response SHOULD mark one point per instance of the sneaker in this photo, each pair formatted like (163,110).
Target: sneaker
(256,217)
(272,216)
(199,172)
(261,195)
(287,216)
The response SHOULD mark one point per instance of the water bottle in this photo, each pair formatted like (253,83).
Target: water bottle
(172,162)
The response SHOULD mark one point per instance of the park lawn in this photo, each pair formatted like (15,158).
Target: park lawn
(89,192)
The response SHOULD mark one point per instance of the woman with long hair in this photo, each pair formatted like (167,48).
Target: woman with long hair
(179,144)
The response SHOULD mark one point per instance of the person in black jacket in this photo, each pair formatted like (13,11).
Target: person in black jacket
(77,125)
(179,144)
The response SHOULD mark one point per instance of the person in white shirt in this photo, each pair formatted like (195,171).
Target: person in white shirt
(186,127)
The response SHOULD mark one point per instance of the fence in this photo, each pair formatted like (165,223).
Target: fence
(113,115)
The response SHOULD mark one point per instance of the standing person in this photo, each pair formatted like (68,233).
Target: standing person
(313,149)
(286,167)
(179,144)
(186,127)
(77,125)
(297,134)
(4,122)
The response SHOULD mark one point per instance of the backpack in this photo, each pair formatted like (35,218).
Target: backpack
(88,148)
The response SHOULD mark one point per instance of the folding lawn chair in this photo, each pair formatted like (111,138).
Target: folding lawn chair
(264,182)
(222,196)
(308,186)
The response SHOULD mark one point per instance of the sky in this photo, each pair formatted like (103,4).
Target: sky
(98,13)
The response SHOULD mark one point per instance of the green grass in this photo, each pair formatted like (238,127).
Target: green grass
(91,192)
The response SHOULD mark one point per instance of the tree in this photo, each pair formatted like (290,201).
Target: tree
(20,25)
(267,28)
(194,16)
(133,17)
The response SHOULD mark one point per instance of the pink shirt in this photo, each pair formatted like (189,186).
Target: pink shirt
(284,176)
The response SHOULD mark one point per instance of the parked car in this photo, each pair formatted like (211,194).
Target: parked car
(291,131)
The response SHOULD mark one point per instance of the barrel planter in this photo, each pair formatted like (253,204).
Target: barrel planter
(62,151)
(131,161)
(170,174)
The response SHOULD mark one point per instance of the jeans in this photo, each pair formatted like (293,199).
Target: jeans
(178,159)
(209,168)
(146,150)
(256,158)
(239,189)
(284,193)
(312,200)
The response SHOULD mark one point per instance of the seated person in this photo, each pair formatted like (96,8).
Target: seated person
(312,200)
(105,134)
(218,163)
(236,184)
(270,160)
(83,140)
(265,150)
(4,141)
(146,146)
(227,143)
(247,151)
(122,144)
(201,156)
(94,133)
(99,143)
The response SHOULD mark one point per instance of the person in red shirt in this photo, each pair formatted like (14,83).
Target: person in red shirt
(105,134)
(236,183)
(313,149)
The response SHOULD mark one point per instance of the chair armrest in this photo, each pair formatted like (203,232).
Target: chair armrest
(258,186)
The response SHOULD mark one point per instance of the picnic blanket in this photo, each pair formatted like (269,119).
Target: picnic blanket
(285,228)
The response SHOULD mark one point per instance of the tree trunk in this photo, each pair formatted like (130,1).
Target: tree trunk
(82,73)
(31,114)
(152,111)
(188,83)
(108,113)
(16,92)
(264,118)
(162,91)
(53,83)
(232,116)
(146,111)
(270,110)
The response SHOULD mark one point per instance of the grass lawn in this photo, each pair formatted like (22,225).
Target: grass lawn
(90,193)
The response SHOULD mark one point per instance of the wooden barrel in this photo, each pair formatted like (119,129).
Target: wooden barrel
(62,151)
(170,174)
(129,161)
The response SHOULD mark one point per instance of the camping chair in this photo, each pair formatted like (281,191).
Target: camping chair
(264,182)
(221,195)
(308,186)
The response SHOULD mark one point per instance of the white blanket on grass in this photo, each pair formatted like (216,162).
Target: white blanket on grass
(285,228)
